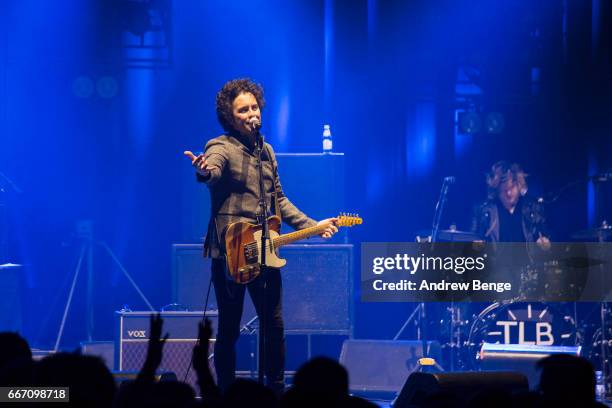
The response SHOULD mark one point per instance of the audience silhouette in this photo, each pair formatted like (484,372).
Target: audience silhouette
(566,381)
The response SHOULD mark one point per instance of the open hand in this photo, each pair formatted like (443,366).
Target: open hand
(331,227)
(154,350)
(198,162)
(156,342)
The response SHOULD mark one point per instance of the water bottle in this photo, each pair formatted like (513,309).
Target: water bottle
(600,387)
(327,139)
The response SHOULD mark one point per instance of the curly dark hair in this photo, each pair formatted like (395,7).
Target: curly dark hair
(229,92)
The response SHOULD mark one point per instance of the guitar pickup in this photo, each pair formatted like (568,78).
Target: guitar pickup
(251,253)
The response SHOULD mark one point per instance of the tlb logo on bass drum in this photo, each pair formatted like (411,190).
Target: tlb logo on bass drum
(140,334)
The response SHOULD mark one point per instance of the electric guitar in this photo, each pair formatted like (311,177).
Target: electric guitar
(243,245)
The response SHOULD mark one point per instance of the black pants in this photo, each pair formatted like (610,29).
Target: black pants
(230,299)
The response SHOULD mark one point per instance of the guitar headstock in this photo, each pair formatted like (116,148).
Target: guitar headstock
(348,220)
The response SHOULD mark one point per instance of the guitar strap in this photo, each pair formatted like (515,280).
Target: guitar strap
(274,180)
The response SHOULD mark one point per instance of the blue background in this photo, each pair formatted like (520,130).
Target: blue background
(390,77)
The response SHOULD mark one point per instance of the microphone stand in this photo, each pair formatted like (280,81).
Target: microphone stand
(265,237)
(434,237)
(420,311)
(440,207)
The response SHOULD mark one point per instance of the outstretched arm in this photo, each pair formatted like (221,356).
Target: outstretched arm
(199,162)
(210,164)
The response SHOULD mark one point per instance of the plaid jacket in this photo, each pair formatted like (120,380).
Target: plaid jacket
(234,189)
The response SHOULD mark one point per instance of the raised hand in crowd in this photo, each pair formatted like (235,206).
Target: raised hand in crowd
(208,388)
(154,350)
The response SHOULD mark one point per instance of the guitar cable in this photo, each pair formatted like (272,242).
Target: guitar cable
(203,321)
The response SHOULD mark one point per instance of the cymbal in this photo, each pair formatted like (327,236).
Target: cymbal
(452,235)
(604,233)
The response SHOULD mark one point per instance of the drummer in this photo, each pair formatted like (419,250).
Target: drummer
(508,214)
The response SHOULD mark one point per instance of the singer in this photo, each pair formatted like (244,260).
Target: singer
(228,167)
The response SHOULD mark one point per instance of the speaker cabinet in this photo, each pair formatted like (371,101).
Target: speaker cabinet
(319,200)
(317,286)
(461,385)
(191,277)
(132,334)
(382,365)
(103,349)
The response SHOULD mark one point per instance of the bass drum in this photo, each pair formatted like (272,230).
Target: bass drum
(528,323)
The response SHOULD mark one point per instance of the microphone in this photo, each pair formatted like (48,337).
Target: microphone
(255,124)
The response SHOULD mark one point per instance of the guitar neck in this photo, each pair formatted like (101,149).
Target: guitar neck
(297,235)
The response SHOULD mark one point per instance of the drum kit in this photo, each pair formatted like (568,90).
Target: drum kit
(540,317)
(467,327)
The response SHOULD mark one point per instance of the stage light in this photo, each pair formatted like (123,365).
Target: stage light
(83,87)
(142,16)
(494,123)
(146,32)
(470,123)
(136,16)
(107,87)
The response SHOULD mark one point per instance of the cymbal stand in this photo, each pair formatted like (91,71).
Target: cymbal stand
(597,181)
(604,343)
(408,320)
(421,308)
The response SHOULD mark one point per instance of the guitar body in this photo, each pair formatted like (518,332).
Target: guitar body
(243,248)
(243,244)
